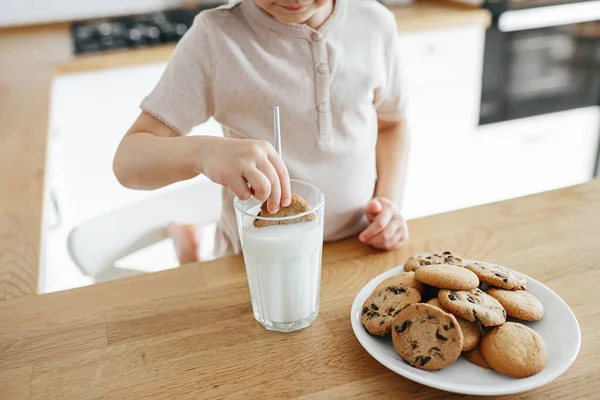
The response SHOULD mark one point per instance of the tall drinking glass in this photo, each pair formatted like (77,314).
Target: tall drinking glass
(283,262)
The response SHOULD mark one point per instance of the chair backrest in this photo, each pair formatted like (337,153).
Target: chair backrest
(96,245)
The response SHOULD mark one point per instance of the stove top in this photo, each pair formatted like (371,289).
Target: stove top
(109,34)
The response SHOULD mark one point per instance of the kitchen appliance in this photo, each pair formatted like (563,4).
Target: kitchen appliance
(541,57)
(109,34)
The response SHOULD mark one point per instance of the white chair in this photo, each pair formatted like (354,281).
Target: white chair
(97,245)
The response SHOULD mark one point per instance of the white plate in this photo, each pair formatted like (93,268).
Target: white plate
(559,328)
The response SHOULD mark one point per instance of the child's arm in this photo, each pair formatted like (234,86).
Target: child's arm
(152,155)
(392,160)
(388,229)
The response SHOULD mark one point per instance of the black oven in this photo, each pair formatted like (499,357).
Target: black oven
(541,56)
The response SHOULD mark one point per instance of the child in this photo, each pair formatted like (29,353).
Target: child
(333,68)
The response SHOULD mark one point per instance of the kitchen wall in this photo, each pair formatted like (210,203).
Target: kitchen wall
(25,12)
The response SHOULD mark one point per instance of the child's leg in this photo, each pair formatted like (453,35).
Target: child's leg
(186,239)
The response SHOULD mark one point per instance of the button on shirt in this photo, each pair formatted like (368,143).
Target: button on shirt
(332,85)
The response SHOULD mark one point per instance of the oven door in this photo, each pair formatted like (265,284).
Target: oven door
(541,60)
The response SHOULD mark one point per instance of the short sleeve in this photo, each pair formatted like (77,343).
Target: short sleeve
(183,97)
(390,99)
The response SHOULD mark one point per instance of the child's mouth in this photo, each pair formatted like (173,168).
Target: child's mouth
(294,8)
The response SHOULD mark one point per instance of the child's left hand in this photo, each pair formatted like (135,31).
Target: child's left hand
(388,229)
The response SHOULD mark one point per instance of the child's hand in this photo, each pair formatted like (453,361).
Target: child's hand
(237,163)
(388,229)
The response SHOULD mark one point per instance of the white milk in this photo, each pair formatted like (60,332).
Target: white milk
(283,264)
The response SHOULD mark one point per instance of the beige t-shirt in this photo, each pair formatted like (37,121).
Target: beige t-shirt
(332,85)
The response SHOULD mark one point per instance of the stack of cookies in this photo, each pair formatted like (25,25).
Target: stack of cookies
(443,306)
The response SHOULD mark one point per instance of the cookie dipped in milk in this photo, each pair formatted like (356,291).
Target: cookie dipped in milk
(283,254)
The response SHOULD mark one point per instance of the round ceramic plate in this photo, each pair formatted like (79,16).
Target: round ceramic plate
(559,328)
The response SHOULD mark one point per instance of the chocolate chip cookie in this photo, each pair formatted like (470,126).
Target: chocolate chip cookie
(427,337)
(297,206)
(473,305)
(518,303)
(384,304)
(497,275)
(403,279)
(471,330)
(475,357)
(514,350)
(418,260)
(446,276)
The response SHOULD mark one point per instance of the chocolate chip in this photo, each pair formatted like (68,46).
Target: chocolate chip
(436,348)
(446,252)
(440,336)
(423,360)
(472,299)
(382,322)
(476,316)
(413,345)
(429,316)
(396,290)
(397,312)
(504,313)
(450,326)
(374,307)
(404,326)
(453,297)
(365,310)
(428,258)
(503,277)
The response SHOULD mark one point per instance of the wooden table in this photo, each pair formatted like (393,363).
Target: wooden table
(189,333)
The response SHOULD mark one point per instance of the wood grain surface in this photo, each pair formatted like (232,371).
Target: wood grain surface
(30,57)
(27,61)
(189,333)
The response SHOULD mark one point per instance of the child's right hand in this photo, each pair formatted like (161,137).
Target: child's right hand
(247,167)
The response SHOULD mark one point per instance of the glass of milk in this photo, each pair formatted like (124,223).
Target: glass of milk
(283,262)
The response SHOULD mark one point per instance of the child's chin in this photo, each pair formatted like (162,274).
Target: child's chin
(293,19)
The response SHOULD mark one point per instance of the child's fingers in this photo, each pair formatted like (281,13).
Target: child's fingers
(386,237)
(401,242)
(394,242)
(378,225)
(402,238)
(284,178)
(373,209)
(274,199)
(259,182)
(240,188)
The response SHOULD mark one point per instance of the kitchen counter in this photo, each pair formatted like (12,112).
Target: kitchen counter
(190,332)
(31,57)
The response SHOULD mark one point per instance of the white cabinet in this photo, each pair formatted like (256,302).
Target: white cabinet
(443,57)
(532,155)
(443,71)
(454,163)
